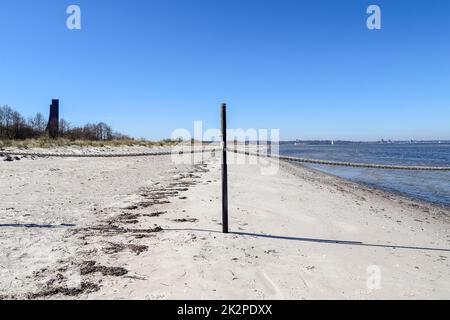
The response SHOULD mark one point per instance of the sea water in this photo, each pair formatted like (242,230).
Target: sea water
(430,186)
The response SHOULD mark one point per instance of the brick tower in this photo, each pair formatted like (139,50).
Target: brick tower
(53,120)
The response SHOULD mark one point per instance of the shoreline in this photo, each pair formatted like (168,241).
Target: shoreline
(421,185)
(391,195)
(145,228)
(390,192)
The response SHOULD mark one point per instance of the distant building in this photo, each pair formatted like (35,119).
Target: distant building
(53,120)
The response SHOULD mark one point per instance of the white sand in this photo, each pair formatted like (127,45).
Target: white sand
(59,214)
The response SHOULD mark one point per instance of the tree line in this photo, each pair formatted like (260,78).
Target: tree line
(13,126)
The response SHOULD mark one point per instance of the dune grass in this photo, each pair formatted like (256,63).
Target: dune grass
(51,143)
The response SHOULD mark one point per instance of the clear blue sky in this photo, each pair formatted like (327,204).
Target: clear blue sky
(310,68)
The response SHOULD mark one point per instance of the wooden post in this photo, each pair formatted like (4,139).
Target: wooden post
(224,169)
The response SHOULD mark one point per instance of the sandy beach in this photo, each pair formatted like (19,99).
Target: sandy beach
(147,228)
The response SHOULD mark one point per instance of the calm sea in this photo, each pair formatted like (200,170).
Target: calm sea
(424,185)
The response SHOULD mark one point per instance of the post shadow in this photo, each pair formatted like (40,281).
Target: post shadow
(37,226)
(319,241)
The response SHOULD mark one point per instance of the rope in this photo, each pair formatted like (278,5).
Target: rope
(100,155)
(344,164)
(291,159)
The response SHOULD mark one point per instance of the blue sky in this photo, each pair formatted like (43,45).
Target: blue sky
(310,68)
